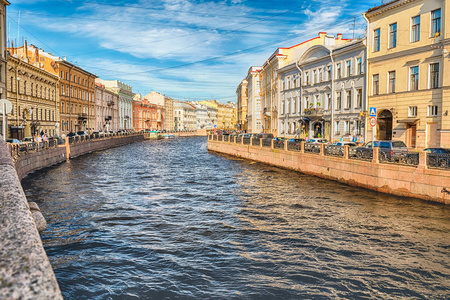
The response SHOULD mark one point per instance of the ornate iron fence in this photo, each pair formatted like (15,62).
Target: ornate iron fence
(294,146)
(438,160)
(267,143)
(332,150)
(238,139)
(225,138)
(255,141)
(246,141)
(278,144)
(312,148)
(360,153)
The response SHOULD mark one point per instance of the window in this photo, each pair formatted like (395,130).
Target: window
(375,84)
(434,75)
(412,111)
(62,106)
(414,78)
(329,72)
(338,71)
(376,40)
(307,77)
(391,82)
(349,68)
(432,110)
(415,29)
(359,98)
(337,127)
(393,35)
(62,74)
(339,101)
(328,101)
(360,70)
(436,23)
(347,127)
(349,99)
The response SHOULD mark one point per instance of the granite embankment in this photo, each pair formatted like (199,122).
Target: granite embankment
(25,271)
(410,181)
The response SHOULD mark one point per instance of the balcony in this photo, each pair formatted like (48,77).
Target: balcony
(82,116)
(314,111)
(110,103)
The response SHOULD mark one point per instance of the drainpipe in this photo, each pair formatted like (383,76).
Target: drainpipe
(301,91)
(367,81)
(332,97)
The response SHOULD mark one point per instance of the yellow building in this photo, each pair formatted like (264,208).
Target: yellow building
(34,95)
(242,106)
(408,80)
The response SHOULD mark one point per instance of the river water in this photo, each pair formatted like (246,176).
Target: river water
(168,220)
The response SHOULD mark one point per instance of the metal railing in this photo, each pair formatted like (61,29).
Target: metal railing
(438,160)
(294,146)
(332,150)
(312,148)
(406,158)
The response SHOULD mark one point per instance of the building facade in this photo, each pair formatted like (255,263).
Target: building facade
(145,115)
(106,113)
(33,93)
(253,79)
(125,93)
(3,56)
(167,104)
(408,65)
(322,94)
(242,106)
(185,116)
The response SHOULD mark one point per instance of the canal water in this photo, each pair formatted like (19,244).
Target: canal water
(168,220)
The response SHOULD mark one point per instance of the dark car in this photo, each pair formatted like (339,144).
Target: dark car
(81,133)
(264,135)
(72,134)
(438,157)
(278,142)
(389,150)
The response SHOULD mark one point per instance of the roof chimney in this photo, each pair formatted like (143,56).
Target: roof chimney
(322,34)
(339,36)
(26,50)
(36,58)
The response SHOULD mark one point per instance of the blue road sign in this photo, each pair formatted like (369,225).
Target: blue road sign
(215,126)
(373,111)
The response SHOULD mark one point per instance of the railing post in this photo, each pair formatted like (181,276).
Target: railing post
(235,139)
(302,147)
(242,140)
(346,150)
(260,142)
(67,148)
(271,144)
(322,150)
(285,144)
(376,155)
(422,160)
(251,141)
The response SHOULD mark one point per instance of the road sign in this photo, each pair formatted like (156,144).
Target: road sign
(8,104)
(373,121)
(373,111)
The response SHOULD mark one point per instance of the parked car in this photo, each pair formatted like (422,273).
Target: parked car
(389,150)
(28,139)
(81,133)
(317,141)
(264,135)
(296,141)
(343,143)
(13,141)
(72,134)
(278,142)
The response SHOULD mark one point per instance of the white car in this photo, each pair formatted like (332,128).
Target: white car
(318,141)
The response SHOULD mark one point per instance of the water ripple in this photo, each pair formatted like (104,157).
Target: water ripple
(168,220)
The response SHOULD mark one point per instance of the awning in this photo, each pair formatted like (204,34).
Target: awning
(409,120)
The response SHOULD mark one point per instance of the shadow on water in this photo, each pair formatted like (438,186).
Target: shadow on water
(167,219)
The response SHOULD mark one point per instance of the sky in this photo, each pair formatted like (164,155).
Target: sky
(185,49)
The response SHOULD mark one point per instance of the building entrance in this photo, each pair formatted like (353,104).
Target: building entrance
(384,125)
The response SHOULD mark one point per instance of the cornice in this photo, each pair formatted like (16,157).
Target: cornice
(404,53)
(378,10)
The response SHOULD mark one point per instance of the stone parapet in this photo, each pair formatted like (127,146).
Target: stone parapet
(396,179)
(25,270)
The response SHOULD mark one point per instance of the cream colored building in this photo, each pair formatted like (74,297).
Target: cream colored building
(408,71)
(242,106)
(254,100)
(167,103)
(185,116)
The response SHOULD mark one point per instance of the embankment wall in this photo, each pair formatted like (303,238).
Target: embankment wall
(409,181)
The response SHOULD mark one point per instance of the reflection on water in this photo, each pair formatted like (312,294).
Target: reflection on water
(167,219)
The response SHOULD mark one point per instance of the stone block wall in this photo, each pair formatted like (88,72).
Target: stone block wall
(393,179)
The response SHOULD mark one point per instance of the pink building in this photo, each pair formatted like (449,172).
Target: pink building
(107,105)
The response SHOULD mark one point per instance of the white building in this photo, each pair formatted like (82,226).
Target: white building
(253,78)
(185,116)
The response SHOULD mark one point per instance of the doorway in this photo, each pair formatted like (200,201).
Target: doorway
(384,125)
(411,130)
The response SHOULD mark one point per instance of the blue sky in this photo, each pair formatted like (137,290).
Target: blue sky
(185,49)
